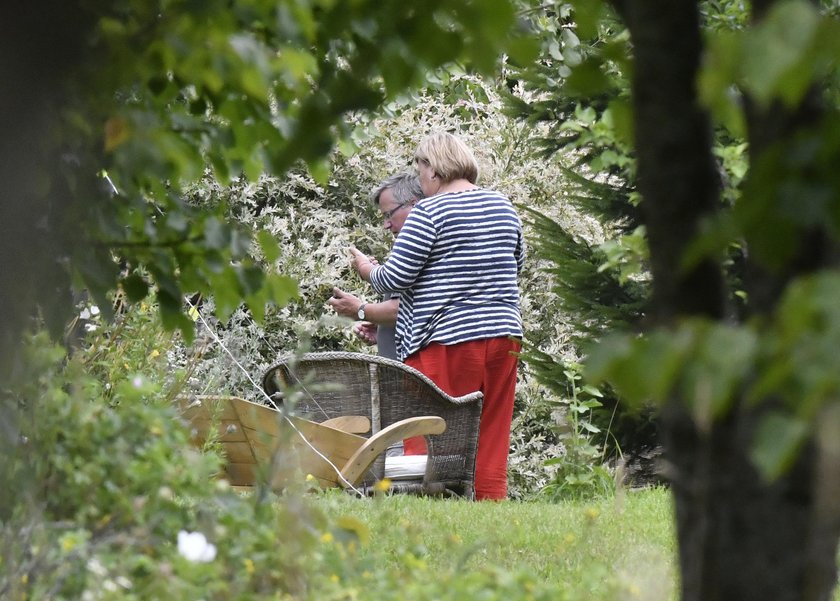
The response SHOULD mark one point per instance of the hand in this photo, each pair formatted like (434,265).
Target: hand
(366,331)
(344,303)
(361,263)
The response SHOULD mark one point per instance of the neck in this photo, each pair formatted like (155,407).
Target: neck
(457,185)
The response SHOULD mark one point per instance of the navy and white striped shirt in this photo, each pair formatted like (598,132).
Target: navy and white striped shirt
(456,261)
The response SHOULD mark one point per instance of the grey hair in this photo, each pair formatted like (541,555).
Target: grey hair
(404,186)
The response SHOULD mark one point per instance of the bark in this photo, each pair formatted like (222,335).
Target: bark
(740,537)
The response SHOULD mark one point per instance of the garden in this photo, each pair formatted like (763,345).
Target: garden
(183,181)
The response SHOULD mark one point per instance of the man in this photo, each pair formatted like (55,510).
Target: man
(395,197)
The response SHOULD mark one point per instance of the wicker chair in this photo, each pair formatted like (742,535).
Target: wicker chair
(329,385)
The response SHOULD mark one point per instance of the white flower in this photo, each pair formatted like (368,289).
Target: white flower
(194,547)
(96,568)
(94,310)
(137,382)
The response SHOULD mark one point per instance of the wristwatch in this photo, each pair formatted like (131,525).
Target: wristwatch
(361,312)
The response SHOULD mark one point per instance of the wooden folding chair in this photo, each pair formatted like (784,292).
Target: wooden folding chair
(254,435)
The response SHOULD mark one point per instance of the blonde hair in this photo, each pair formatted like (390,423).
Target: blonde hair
(448,157)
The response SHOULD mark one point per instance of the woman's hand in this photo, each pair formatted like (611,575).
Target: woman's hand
(361,263)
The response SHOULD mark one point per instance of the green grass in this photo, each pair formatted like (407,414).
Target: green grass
(622,547)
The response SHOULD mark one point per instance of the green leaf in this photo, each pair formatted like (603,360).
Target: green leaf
(216,233)
(776,60)
(268,245)
(777,441)
(136,288)
(283,289)
(588,79)
(227,292)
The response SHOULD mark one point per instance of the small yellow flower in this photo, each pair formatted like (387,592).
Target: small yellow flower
(455,539)
(310,478)
(569,538)
(249,565)
(592,513)
(327,537)
(334,577)
(67,543)
(383,485)
(154,353)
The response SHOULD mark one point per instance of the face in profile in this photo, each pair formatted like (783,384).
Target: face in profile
(393,213)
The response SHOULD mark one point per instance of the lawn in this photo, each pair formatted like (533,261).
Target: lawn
(616,548)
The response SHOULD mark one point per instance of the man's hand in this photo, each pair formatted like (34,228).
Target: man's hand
(366,331)
(344,303)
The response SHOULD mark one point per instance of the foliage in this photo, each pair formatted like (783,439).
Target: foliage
(745,416)
(578,91)
(580,471)
(791,356)
(95,493)
(136,98)
(107,500)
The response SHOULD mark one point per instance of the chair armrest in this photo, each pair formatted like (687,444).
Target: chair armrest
(361,460)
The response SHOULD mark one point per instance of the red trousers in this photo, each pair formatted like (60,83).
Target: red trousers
(489,366)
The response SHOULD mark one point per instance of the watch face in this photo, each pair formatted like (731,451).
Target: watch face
(361,312)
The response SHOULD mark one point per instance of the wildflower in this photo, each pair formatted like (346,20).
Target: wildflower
(383,485)
(326,537)
(137,382)
(592,513)
(195,547)
(96,568)
(249,565)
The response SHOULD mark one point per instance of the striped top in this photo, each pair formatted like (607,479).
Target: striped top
(456,261)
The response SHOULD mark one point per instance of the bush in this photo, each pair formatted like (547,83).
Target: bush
(104,498)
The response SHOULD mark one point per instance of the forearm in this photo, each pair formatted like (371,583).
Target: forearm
(384,313)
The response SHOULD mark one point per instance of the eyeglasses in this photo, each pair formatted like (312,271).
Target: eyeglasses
(386,215)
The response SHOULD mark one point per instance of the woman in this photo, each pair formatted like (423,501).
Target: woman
(456,262)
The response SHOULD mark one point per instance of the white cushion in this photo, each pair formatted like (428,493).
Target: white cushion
(405,467)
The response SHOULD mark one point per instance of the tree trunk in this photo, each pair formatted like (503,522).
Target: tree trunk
(740,538)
